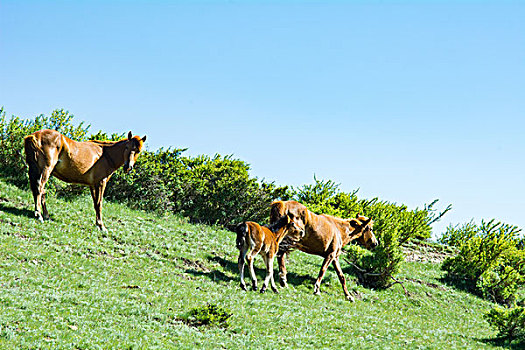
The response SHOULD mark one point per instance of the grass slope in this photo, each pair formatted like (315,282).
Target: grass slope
(66,285)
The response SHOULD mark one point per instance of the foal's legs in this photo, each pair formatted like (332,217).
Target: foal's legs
(241,263)
(268,261)
(97,192)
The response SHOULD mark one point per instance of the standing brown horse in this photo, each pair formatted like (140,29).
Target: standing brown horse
(88,163)
(322,235)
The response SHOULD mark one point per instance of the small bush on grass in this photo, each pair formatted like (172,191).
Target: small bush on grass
(510,322)
(377,268)
(209,315)
(489,261)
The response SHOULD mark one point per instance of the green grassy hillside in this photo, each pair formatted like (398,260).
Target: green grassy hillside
(66,285)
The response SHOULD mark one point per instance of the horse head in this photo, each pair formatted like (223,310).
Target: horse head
(131,152)
(363,231)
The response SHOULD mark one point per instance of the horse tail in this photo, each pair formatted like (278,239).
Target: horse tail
(32,150)
(242,232)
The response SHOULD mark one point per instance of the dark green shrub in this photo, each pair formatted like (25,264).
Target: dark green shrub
(219,190)
(209,315)
(212,190)
(377,268)
(510,322)
(489,262)
(456,235)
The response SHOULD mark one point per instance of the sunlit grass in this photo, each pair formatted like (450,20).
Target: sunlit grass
(64,284)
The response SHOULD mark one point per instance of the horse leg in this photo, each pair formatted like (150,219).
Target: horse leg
(34,182)
(97,192)
(38,183)
(342,279)
(44,206)
(250,259)
(281,260)
(269,267)
(317,286)
(241,263)
(269,273)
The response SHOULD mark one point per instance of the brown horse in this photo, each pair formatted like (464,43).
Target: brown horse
(322,235)
(88,163)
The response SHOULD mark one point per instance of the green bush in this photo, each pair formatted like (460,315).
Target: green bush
(377,268)
(209,315)
(212,190)
(456,235)
(489,261)
(509,322)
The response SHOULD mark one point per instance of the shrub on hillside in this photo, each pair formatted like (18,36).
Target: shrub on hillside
(510,322)
(377,268)
(212,190)
(456,235)
(489,261)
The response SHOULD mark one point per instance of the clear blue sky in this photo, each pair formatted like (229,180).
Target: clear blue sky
(406,100)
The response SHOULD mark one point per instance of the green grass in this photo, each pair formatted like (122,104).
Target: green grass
(66,285)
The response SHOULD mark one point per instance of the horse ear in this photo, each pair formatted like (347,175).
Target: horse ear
(144,138)
(129,135)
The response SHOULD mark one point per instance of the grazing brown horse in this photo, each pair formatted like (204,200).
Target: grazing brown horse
(253,239)
(322,235)
(88,163)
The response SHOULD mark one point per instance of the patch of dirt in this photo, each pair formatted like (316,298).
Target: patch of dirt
(421,252)
(428,284)
(196,265)
(432,257)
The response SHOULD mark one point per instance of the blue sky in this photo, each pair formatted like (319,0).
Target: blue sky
(406,100)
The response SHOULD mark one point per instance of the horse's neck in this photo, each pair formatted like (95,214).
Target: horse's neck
(114,153)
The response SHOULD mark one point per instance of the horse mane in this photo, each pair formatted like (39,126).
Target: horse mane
(106,143)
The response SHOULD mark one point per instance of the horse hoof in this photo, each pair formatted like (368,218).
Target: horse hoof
(39,217)
(243,287)
(283,284)
(263,290)
(275,290)
(317,292)
(350,298)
